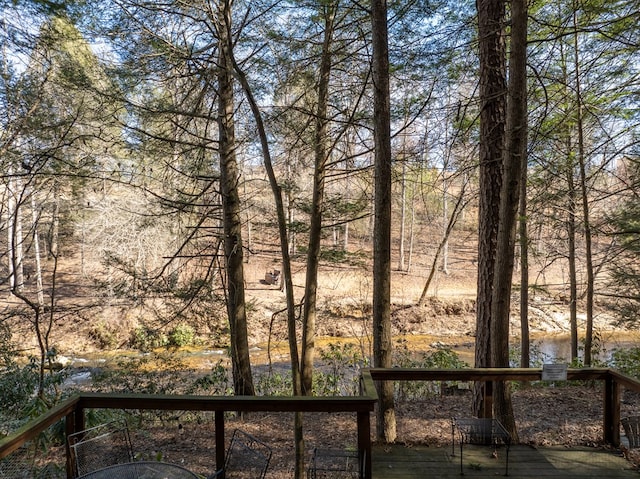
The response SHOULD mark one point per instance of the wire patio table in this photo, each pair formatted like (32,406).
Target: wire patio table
(480,431)
(142,470)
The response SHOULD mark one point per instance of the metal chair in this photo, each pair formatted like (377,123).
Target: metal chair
(247,458)
(631,426)
(334,464)
(100,446)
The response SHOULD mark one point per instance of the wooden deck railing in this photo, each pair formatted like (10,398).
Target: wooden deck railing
(73,409)
(612,379)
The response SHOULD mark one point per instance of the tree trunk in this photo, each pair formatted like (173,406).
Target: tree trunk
(445,216)
(573,276)
(411,231)
(232,221)
(14,235)
(54,233)
(491,17)
(571,217)
(403,210)
(457,209)
(249,228)
(516,148)
(525,347)
(588,340)
(315,228)
(38,306)
(382,349)
(287,276)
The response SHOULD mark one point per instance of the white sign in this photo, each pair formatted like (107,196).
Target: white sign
(554,372)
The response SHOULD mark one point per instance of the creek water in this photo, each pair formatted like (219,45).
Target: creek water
(558,347)
(545,348)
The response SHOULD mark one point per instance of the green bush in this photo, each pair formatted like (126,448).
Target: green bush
(144,338)
(442,357)
(214,383)
(103,336)
(18,387)
(338,373)
(152,373)
(627,361)
(274,383)
(17,384)
(404,358)
(598,351)
(182,335)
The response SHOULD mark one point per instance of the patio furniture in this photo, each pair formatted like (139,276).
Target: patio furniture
(334,464)
(142,470)
(487,431)
(246,457)
(631,426)
(100,446)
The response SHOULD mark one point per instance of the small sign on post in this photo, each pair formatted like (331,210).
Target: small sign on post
(554,372)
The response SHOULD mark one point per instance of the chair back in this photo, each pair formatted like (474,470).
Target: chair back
(247,457)
(335,464)
(100,446)
(631,426)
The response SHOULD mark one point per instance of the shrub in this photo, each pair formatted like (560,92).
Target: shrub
(103,336)
(274,383)
(627,361)
(443,357)
(182,335)
(153,373)
(215,383)
(338,373)
(17,384)
(144,338)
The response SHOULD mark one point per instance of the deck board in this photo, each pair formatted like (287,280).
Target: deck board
(407,462)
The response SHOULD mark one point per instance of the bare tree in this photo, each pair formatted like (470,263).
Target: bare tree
(382,347)
(584,190)
(491,24)
(321,153)
(231,207)
(515,150)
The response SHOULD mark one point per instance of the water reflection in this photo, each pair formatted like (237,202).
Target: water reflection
(557,348)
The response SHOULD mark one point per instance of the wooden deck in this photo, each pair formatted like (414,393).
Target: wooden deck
(396,462)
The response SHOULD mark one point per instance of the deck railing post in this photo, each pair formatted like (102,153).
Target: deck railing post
(364,443)
(75,422)
(220,450)
(611,419)
(69,428)
(78,419)
(488,399)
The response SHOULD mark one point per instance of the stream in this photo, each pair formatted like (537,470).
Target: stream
(545,348)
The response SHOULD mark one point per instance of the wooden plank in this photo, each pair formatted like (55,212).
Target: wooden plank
(364,443)
(36,426)
(220,446)
(482,374)
(611,413)
(227,403)
(406,462)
